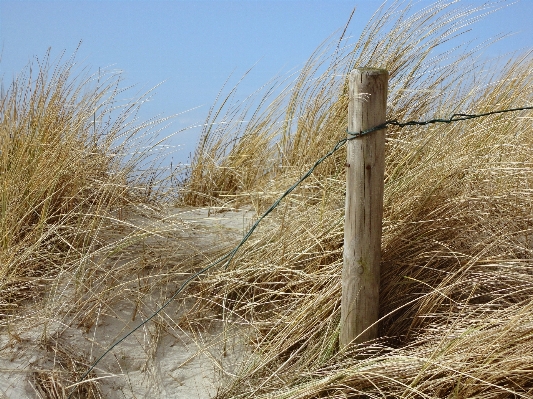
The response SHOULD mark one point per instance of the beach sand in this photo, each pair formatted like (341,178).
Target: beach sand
(155,361)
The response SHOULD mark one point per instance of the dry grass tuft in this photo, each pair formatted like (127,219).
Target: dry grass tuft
(61,174)
(75,175)
(61,378)
(457,249)
(86,250)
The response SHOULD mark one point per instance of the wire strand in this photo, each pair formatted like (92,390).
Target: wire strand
(230,255)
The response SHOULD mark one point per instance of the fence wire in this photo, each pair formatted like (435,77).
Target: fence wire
(226,259)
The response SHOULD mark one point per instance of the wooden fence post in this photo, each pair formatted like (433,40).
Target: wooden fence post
(364,206)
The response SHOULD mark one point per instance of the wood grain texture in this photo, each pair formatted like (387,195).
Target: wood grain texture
(364,206)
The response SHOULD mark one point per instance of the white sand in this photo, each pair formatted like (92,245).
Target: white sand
(152,363)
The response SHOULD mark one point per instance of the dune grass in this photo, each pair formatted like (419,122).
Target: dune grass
(456,312)
(73,167)
(457,275)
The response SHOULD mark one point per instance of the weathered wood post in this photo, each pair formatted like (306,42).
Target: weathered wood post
(364,206)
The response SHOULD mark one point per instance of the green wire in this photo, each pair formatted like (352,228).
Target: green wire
(229,256)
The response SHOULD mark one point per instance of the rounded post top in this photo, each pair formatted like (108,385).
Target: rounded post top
(369,71)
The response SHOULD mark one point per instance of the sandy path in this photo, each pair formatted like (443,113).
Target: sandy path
(155,362)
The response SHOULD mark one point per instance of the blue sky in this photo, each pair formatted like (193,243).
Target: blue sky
(194,46)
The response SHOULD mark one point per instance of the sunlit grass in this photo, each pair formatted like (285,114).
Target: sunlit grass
(82,227)
(70,160)
(456,256)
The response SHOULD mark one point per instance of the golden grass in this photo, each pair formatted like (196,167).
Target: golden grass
(456,311)
(62,174)
(73,167)
(457,250)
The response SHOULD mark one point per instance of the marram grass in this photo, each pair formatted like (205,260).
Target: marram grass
(457,281)
(69,170)
(457,269)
